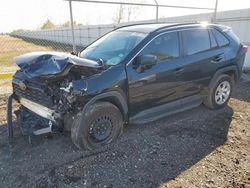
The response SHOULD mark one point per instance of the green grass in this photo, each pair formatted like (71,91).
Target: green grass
(11,47)
(7,59)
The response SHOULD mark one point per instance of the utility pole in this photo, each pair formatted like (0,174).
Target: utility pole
(72,26)
(215,11)
(157,11)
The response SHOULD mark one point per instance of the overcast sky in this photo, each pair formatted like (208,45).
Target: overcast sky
(31,14)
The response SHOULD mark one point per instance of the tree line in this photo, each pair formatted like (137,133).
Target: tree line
(124,13)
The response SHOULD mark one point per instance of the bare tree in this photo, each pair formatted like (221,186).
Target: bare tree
(119,15)
(127,13)
(132,12)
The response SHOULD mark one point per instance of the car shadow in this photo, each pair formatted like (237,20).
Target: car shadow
(180,144)
(144,156)
(242,89)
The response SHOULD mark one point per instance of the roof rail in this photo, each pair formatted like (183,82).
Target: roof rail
(177,24)
(167,26)
(145,23)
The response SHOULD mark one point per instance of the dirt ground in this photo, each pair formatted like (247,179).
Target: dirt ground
(196,148)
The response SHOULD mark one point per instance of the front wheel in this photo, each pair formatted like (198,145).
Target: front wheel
(96,127)
(220,92)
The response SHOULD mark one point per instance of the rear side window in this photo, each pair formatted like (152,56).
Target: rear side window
(164,47)
(221,39)
(196,40)
(233,36)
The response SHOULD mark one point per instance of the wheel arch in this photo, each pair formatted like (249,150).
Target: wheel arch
(115,98)
(232,71)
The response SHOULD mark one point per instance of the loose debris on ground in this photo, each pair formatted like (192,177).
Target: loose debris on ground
(196,148)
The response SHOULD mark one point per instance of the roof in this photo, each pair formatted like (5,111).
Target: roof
(151,27)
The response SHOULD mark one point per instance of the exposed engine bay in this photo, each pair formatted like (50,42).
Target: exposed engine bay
(47,86)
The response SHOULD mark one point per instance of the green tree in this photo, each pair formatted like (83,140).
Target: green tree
(68,24)
(18,30)
(48,25)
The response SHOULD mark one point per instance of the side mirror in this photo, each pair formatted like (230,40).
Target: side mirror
(145,62)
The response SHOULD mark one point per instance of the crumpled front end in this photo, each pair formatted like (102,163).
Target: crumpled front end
(47,87)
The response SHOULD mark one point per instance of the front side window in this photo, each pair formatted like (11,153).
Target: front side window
(113,47)
(196,40)
(164,47)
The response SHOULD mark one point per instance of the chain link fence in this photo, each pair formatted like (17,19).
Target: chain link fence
(60,39)
(10,47)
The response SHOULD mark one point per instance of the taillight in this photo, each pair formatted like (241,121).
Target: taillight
(245,49)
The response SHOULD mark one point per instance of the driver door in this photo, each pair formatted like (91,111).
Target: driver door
(160,83)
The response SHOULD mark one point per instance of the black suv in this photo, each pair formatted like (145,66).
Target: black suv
(136,73)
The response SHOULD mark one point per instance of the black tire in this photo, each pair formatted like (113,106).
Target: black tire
(98,126)
(210,100)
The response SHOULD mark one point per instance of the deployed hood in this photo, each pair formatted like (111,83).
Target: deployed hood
(50,63)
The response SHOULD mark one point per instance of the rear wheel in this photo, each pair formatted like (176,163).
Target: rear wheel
(98,126)
(220,92)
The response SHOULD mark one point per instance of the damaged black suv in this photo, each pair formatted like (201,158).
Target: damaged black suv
(136,73)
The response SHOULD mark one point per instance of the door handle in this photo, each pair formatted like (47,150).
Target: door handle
(217,58)
(178,71)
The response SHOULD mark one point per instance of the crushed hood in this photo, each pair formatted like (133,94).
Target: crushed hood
(51,63)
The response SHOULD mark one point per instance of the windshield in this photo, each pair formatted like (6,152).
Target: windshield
(113,47)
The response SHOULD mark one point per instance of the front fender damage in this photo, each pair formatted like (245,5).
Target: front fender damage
(53,82)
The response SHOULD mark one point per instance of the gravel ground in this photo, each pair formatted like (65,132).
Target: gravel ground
(196,148)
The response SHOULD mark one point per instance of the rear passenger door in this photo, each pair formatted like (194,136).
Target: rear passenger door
(202,57)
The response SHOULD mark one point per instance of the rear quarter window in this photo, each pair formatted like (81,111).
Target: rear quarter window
(221,39)
(196,40)
(233,36)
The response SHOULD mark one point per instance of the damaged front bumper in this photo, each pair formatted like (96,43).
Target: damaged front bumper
(39,109)
(33,118)
(50,88)
(43,115)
